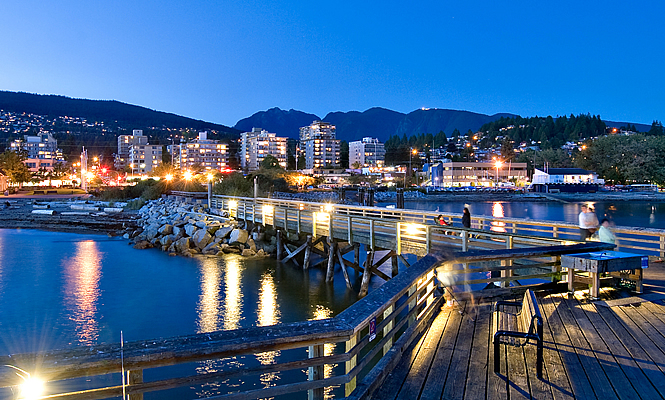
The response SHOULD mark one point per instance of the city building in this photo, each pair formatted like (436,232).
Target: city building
(124,143)
(555,180)
(455,174)
(41,151)
(368,152)
(206,153)
(144,158)
(321,147)
(258,144)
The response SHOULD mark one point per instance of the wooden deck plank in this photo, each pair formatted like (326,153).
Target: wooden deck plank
(657,311)
(393,383)
(497,383)
(599,381)
(635,375)
(555,375)
(647,366)
(422,363)
(459,365)
(579,382)
(654,343)
(436,380)
(476,382)
(518,385)
(621,384)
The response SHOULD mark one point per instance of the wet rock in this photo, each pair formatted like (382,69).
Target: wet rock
(248,253)
(166,229)
(201,238)
(190,229)
(239,235)
(143,244)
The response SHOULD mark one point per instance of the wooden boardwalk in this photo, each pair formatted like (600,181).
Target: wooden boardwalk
(603,350)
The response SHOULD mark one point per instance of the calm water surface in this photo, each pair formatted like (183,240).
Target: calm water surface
(60,289)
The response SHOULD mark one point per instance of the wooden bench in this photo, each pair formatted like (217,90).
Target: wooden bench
(518,329)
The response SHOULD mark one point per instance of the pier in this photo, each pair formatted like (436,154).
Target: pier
(424,332)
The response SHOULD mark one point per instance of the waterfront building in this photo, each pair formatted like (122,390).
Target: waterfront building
(565,180)
(321,146)
(144,158)
(258,144)
(125,142)
(206,153)
(41,151)
(368,152)
(455,174)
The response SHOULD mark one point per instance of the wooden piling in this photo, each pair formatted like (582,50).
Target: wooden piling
(367,275)
(308,252)
(330,272)
(395,266)
(278,236)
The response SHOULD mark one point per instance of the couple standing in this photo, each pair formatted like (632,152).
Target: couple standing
(588,222)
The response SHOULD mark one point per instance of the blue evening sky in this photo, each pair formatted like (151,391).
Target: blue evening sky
(221,61)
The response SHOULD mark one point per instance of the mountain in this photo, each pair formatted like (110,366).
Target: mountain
(375,122)
(112,112)
(640,127)
(435,120)
(276,120)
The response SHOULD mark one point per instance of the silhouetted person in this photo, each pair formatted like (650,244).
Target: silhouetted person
(466,218)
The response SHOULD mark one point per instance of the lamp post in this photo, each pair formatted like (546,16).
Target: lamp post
(498,165)
(209,176)
(412,152)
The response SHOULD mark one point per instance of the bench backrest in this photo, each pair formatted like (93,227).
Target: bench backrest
(530,313)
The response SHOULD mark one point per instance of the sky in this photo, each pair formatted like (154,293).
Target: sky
(221,61)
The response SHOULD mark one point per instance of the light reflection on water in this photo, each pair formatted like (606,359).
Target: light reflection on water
(321,312)
(82,274)
(268,314)
(497,212)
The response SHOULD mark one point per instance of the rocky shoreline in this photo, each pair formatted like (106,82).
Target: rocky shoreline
(188,229)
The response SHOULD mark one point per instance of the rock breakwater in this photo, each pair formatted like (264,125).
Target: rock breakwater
(189,229)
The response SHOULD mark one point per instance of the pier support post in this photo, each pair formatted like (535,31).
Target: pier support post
(367,274)
(278,236)
(330,272)
(395,266)
(308,252)
(316,372)
(506,263)
(135,377)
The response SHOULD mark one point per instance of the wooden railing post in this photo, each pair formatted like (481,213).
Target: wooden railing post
(351,364)
(398,238)
(506,263)
(298,223)
(428,238)
(465,240)
(315,372)
(135,377)
(387,328)
(349,225)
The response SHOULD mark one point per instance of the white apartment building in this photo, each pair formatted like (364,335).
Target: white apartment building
(41,151)
(144,158)
(322,148)
(258,144)
(208,153)
(124,143)
(368,152)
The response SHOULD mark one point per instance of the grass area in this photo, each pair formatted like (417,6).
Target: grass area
(56,191)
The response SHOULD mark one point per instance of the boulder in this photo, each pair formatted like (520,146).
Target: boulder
(251,244)
(125,236)
(200,224)
(239,235)
(213,228)
(190,229)
(166,240)
(176,230)
(152,231)
(182,245)
(201,238)
(143,244)
(231,250)
(224,232)
(248,253)
(166,229)
(292,237)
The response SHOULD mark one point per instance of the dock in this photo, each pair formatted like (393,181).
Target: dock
(608,349)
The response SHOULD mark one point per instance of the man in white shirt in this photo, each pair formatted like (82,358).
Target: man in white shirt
(588,222)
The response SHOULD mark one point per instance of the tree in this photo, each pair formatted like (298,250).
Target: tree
(270,162)
(656,129)
(12,164)
(507,150)
(344,154)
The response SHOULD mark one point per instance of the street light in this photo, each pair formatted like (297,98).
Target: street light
(412,152)
(498,165)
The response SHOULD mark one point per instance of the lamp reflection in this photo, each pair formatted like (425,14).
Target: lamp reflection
(219,313)
(322,312)
(268,314)
(497,212)
(82,273)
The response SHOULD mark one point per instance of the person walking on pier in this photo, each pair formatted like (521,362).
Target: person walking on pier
(588,222)
(466,218)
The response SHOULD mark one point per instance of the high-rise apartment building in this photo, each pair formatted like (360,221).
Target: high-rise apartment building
(124,143)
(258,144)
(207,153)
(368,152)
(322,148)
(144,158)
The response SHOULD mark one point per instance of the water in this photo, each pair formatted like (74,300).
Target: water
(621,213)
(60,290)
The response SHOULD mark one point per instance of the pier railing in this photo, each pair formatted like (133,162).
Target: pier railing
(639,240)
(348,355)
